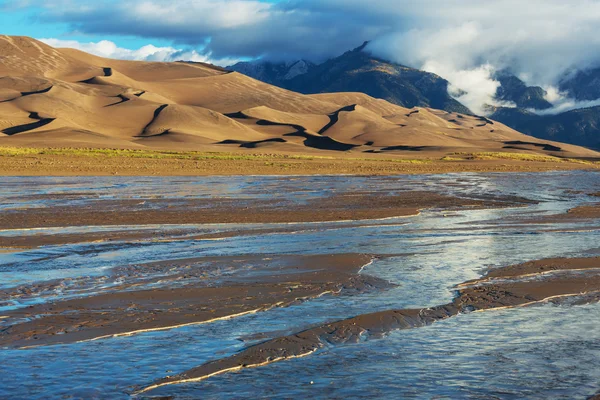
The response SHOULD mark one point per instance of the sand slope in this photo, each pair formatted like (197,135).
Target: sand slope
(65,97)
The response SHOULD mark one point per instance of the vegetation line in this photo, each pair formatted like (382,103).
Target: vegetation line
(11,151)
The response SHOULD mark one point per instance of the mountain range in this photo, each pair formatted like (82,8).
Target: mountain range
(68,98)
(579,126)
(359,71)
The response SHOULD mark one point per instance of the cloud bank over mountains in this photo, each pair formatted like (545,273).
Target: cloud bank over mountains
(464,41)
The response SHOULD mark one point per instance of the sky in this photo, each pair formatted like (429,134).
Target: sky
(464,41)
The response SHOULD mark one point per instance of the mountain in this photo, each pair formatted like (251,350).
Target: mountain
(514,90)
(581,126)
(271,72)
(68,98)
(358,71)
(583,85)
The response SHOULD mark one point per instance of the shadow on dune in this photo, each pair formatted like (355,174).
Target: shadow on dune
(122,99)
(23,94)
(28,127)
(46,90)
(107,71)
(252,144)
(514,144)
(311,140)
(335,116)
(402,148)
(156,114)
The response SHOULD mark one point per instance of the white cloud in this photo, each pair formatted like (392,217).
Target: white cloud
(562,103)
(553,95)
(108,49)
(474,87)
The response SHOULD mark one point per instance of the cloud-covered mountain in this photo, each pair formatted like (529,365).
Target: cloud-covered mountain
(358,71)
(573,118)
(515,91)
(580,126)
(582,85)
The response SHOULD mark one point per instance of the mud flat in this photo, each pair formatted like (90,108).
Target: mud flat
(573,281)
(279,281)
(342,207)
(575,214)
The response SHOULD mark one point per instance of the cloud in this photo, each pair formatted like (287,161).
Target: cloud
(465,40)
(539,41)
(562,103)
(108,49)
(476,88)
(227,28)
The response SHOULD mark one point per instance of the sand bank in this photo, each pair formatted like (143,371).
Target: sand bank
(342,207)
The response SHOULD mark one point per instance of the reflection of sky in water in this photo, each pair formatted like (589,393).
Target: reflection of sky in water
(18,191)
(538,352)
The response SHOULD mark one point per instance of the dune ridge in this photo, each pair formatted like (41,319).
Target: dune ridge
(85,100)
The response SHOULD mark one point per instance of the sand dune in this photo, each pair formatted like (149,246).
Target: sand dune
(66,98)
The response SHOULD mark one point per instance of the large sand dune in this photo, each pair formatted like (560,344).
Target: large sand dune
(67,98)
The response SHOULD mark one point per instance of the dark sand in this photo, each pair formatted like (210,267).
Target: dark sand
(583,212)
(30,241)
(588,211)
(512,286)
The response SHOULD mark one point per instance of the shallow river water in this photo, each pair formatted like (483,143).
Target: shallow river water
(539,352)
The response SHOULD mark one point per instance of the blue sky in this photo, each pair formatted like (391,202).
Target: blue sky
(20,18)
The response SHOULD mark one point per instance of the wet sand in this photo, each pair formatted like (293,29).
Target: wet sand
(40,239)
(513,286)
(343,207)
(584,212)
(279,281)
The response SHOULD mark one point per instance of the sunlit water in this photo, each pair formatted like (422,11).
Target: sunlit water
(538,352)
